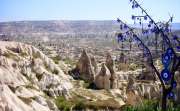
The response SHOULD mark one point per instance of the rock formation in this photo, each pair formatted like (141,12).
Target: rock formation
(148,73)
(85,67)
(102,80)
(94,64)
(110,66)
(27,76)
(177,90)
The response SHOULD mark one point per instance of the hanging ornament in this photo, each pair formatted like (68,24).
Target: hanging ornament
(166,59)
(118,20)
(171,95)
(120,37)
(136,5)
(151,22)
(125,26)
(175,37)
(121,27)
(133,17)
(165,75)
(170,52)
(145,17)
(178,48)
(174,84)
(149,25)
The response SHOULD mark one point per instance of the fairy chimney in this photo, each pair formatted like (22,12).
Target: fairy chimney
(110,66)
(85,68)
(102,80)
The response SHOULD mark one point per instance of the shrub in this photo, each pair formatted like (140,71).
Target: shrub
(56,59)
(63,104)
(79,106)
(55,72)
(150,105)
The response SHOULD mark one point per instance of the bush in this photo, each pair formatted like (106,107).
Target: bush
(63,104)
(56,59)
(150,105)
(79,106)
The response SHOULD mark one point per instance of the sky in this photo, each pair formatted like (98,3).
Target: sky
(20,10)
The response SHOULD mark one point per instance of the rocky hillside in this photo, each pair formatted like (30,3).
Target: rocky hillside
(86,26)
(28,79)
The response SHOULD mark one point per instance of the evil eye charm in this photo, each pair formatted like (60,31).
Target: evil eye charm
(133,17)
(175,37)
(145,17)
(120,37)
(118,20)
(136,5)
(171,95)
(178,48)
(125,26)
(166,75)
(166,59)
(170,52)
(174,84)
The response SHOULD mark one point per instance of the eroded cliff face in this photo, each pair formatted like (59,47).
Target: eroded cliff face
(27,76)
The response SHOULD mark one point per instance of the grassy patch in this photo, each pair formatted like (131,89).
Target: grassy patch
(150,105)
(56,59)
(36,55)
(69,61)
(63,104)
(55,71)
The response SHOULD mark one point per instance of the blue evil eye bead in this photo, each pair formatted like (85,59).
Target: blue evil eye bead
(127,33)
(171,95)
(120,37)
(145,17)
(174,84)
(151,22)
(149,25)
(166,30)
(125,26)
(152,30)
(133,6)
(133,17)
(165,75)
(175,37)
(170,52)
(178,48)
(121,27)
(166,60)
(136,5)
(118,20)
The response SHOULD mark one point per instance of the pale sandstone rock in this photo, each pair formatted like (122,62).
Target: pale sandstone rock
(102,80)
(110,65)
(20,70)
(85,68)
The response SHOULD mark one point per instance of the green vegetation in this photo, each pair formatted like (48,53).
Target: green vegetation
(39,76)
(69,61)
(36,55)
(55,71)
(56,59)
(23,54)
(11,55)
(150,105)
(63,104)
(67,105)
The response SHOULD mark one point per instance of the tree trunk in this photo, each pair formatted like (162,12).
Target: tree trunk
(164,100)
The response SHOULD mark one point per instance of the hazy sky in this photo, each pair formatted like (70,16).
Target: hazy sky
(17,10)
